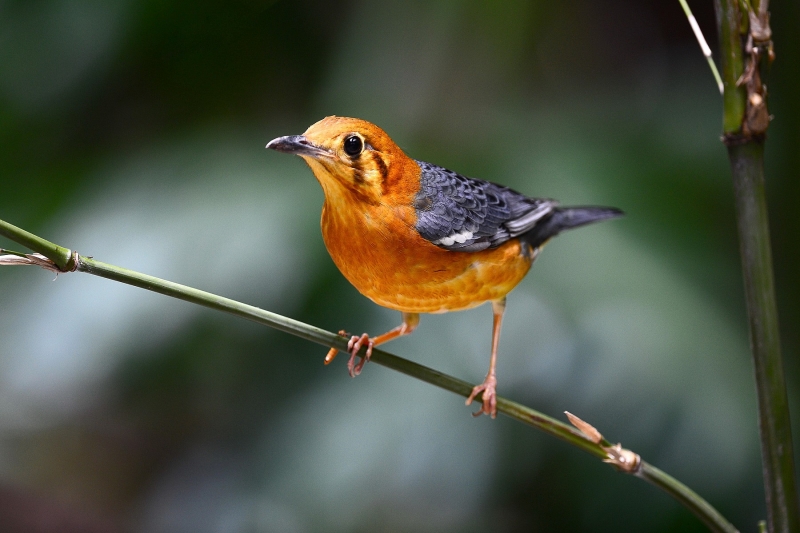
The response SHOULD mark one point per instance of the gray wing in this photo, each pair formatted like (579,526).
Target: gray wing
(468,215)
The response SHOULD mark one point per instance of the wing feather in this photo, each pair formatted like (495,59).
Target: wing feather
(468,215)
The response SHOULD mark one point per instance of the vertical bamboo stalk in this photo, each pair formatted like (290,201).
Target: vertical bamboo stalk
(747,164)
(744,56)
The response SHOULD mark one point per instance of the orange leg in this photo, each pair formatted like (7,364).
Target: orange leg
(410,323)
(489,385)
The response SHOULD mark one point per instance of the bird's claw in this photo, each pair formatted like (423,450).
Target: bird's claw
(353,346)
(488,388)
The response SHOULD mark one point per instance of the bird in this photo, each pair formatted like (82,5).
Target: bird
(419,238)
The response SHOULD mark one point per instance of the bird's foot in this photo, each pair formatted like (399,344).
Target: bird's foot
(488,388)
(353,346)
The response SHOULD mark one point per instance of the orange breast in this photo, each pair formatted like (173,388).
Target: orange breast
(378,250)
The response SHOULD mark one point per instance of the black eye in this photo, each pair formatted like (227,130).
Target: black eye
(353,145)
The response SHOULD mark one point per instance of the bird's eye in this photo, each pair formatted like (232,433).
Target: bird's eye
(353,145)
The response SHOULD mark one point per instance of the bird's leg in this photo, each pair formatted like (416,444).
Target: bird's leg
(410,323)
(489,385)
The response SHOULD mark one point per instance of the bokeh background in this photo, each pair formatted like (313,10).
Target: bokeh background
(134,131)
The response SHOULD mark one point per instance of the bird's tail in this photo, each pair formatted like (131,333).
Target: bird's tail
(563,218)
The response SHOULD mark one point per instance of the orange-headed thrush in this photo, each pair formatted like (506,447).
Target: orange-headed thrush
(419,238)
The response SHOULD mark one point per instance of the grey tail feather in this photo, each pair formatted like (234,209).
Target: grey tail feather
(564,218)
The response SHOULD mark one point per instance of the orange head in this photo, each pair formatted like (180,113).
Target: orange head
(350,155)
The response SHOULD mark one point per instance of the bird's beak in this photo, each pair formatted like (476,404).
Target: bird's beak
(297,145)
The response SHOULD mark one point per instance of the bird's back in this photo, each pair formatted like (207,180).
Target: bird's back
(469,215)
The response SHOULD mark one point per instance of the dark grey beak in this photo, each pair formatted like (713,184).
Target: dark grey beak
(296,144)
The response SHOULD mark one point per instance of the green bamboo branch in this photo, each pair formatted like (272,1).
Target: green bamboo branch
(746,52)
(582,435)
(62,257)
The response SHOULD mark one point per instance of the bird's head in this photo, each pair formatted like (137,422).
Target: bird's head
(353,155)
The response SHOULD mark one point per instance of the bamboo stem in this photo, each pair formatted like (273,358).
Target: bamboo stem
(592,443)
(746,52)
(62,257)
(747,165)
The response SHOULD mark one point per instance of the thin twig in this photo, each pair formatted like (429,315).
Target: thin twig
(698,33)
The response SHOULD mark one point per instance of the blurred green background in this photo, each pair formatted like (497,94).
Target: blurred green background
(134,132)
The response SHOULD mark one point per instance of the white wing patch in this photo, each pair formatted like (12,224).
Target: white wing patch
(527,221)
(460,238)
